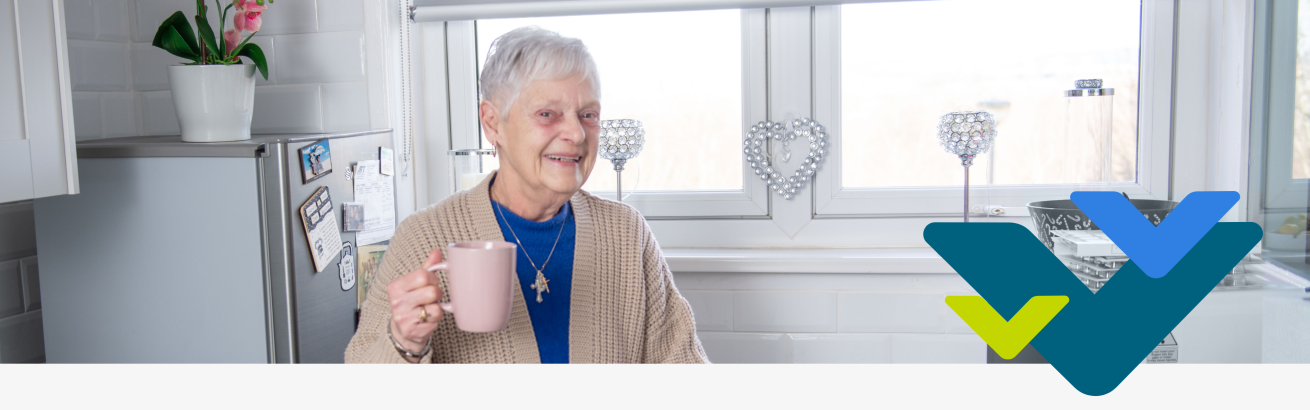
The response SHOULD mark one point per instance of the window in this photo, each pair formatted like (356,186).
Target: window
(983,55)
(683,84)
(899,66)
(693,78)
(1280,130)
(878,76)
(1301,105)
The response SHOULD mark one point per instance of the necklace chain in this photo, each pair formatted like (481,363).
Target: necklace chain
(525,250)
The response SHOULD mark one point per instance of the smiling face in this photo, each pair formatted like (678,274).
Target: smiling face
(547,138)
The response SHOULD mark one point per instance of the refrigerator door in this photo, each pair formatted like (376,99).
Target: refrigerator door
(324,315)
(180,252)
(156,261)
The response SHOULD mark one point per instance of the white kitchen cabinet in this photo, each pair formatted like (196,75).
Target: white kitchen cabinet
(37,153)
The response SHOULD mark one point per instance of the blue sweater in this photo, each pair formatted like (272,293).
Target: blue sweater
(550,318)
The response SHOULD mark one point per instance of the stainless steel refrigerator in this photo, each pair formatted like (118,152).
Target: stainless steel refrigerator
(196,253)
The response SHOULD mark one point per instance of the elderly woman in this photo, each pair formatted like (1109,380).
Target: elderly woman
(592,285)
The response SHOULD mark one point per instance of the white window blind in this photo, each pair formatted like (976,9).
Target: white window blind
(444,10)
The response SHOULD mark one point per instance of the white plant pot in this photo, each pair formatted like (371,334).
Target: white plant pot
(213,102)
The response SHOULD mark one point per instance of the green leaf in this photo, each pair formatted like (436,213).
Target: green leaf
(179,24)
(207,35)
(222,24)
(256,55)
(173,43)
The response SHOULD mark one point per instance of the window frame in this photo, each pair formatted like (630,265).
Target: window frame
(784,46)
(1155,74)
(1282,193)
(750,202)
(1272,192)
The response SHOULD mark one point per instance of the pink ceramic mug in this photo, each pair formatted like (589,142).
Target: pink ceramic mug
(479,277)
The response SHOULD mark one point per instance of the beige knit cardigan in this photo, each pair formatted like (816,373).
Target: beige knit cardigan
(624,307)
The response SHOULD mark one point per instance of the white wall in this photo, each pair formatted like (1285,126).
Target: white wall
(319,68)
(902,318)
(830,318)
(99,52)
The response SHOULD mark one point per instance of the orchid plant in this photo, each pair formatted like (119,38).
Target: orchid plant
(176,36)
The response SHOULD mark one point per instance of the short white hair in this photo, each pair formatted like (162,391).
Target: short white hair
(532,53)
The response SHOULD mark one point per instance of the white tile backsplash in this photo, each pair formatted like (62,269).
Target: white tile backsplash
(724,347)
(151,13)
(321,57)
(112,20)
(99,66)
(80,17)
(345,107)
(287,108)
(118,114)
(890,313)
(952,320)
(86,115)
(712,310)
(841,348)
(943,348)
(269,46)
(290,17)
(861,318)
(340,15)
(158,115)
(31,283)
(11,289)
(785,312)
(150,67)
(315,51)
(883,282)
(22,339)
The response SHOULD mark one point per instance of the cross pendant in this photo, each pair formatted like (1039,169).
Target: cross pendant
(540,285)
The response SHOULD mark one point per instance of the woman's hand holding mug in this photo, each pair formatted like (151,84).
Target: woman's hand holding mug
(414,309)
(481,277)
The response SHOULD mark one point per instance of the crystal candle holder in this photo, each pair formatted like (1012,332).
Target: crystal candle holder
(620,141)
(967,134)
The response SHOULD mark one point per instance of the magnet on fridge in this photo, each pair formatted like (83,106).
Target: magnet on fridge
(346,268)
(315,160)
(352,215)
(388,165)
(321,230)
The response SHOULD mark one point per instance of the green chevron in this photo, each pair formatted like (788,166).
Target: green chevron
(1007,338)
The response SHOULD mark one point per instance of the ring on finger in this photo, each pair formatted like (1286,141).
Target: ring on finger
(422,314)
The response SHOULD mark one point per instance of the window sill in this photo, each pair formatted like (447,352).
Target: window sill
(872,260)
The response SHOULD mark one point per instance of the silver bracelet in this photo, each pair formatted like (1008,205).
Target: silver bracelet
(405,352)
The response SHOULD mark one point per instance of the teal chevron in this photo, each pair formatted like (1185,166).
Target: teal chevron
(1097,340)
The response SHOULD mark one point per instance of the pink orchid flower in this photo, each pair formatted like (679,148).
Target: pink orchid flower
(247,17)
(232,38)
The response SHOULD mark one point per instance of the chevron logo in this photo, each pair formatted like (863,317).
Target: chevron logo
(1095,340)
(1007,336)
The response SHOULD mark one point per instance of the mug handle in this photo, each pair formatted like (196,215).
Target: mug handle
(446,306)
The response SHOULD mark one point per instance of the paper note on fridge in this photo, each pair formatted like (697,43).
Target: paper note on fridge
(377,193)
(321,231)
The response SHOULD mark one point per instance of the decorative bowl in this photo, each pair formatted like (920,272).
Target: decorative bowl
(1062,214)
